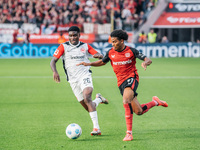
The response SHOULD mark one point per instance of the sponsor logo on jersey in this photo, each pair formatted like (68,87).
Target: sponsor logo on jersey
(122,62)
(112,56)
(77,57)
(127,54)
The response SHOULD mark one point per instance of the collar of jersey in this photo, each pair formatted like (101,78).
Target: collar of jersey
(123,49)
(74,45)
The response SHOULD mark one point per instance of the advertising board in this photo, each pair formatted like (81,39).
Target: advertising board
(156,50)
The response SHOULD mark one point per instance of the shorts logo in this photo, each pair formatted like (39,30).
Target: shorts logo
(112,56)
(127,54)
(130,81)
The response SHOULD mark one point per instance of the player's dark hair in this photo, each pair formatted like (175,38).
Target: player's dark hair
(74,28)
(120,34)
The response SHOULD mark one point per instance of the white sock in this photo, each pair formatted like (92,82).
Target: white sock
(156,102)
(94,118)
(97,101)
(130,132)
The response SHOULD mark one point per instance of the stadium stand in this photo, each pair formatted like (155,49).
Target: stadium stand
(128,14)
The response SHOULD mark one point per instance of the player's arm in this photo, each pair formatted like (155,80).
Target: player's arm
(93,52)
(100,62)
(98,55)
(56,76)
(96,63)
(57,54)
(147,62)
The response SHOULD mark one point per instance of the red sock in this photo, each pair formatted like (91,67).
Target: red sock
(147,106)
(128,117)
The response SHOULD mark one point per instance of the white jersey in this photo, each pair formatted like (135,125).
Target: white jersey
(73,55)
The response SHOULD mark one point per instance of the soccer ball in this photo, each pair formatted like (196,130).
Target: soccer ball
(73,131)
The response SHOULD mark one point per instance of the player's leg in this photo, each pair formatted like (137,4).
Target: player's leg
(99,99)
(83,95)
(78,93)
(127,97)
(141,109)
(87,89)
(84,105)
(131,104)
(87,96)
(87,93)
(145,107)
(127,89)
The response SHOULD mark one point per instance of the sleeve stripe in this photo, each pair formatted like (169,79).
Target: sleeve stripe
(91,50)
(59,51)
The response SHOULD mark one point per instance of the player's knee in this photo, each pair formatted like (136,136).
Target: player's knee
(138,112)
(87,96)
(126,100)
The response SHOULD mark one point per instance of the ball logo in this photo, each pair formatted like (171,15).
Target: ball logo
(127,54)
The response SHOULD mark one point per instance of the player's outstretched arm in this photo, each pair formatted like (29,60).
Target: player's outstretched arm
(56,76)
(147,62)
(98,55)
(96,63)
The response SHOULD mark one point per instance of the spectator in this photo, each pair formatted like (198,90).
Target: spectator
(152,36)
(164,39)
(28,37)
(127,19)
(17,19)
(47,19)
(150,5)
(39,18)
(136,21)
(24,18)
(15,36)
(142,37)
(141,19)
(126,13)
(61,38)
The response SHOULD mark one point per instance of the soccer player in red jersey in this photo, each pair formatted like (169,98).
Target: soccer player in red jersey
(123,60)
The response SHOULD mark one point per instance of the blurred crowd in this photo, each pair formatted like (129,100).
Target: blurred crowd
(128,14)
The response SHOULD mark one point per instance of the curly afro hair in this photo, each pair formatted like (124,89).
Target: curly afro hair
(120,34)
(74,28)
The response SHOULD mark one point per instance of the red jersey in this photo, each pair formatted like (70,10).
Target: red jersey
(123,63)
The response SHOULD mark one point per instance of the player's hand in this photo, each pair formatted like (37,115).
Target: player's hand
(144,65)
(98,55)
(56,77)
(83,63)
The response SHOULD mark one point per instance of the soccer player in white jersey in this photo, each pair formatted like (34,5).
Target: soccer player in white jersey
(79,77)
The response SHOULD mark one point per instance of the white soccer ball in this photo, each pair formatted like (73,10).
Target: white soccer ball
(73,131)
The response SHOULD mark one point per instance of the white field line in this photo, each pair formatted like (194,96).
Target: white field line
(102,77)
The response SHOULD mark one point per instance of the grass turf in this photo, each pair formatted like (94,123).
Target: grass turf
(34,110)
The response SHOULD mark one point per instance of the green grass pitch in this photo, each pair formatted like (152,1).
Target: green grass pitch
(34,110)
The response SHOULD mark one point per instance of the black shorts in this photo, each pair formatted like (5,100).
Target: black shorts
(130,82)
